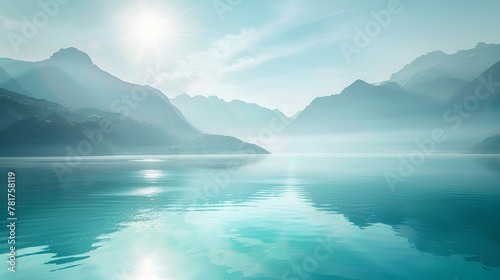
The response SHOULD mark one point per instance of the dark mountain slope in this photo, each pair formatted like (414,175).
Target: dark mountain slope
(70,78)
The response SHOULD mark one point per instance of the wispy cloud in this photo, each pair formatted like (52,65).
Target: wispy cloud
(9,24)
(233,53)
(211,71)
(221,53)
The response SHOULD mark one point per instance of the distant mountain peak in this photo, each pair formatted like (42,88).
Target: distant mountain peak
(437,53)
(482,45)
(434,56)
(464,65)
(391,86)
(214,98)
(357,86)
(360,82)
(71,55)
(182,95)
(185,96)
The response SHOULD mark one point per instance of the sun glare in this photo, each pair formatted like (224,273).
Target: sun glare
(151,29)
(148,31)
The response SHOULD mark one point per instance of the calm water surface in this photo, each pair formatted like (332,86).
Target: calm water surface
(275,217)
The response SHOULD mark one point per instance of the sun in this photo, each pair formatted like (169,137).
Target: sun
(151,29)
(147,31)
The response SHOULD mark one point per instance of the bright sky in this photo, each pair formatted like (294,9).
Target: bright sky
(279,54)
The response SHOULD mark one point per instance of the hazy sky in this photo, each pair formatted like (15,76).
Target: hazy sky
(279,54)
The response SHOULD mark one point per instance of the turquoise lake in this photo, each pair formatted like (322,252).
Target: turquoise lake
(279,216)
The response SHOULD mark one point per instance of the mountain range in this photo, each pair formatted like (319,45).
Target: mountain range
(50,105)
(70,78)
(365,107)
(394,113)
(441,75)
(236,118)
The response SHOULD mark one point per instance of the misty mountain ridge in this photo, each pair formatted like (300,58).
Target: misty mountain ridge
(365,107)
(464,64)
(489,83)
(70,78)
(78,93)
(34,123)
(236,118)
(39,127)
(364,113)
(440,75)
(73,56)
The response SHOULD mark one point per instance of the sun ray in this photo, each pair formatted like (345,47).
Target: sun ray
(148,30)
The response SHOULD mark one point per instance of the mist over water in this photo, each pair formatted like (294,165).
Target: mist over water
(153,218)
